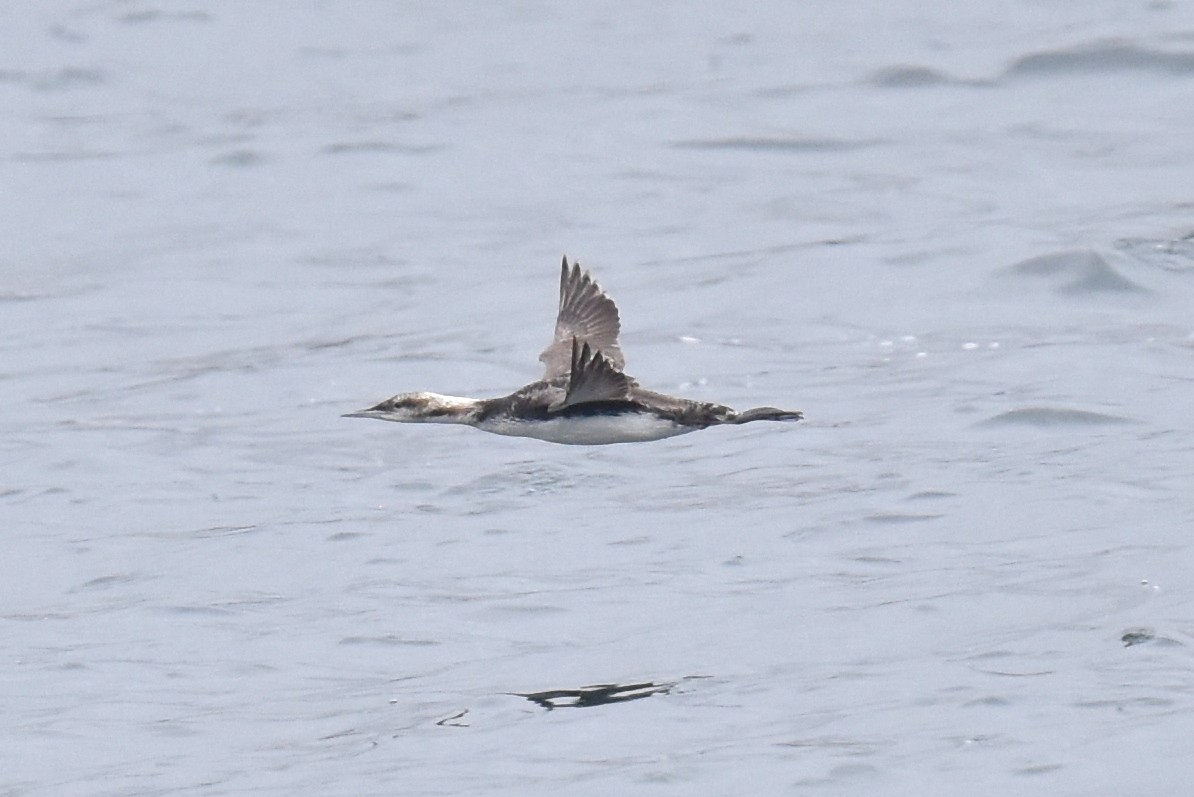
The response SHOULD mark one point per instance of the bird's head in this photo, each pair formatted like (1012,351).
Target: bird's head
(420,408)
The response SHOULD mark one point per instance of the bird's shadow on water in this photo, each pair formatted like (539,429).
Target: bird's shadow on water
(604,694)
(590,696)
(596,694)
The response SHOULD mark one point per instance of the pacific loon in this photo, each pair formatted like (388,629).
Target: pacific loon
(584,397)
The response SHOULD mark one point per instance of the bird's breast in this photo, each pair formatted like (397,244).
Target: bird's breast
(590,430)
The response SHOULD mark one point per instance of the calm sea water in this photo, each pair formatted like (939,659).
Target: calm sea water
(959,237)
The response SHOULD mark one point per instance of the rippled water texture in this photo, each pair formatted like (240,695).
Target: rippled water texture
(958,236)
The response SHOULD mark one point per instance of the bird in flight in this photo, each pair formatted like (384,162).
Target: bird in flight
(585,397)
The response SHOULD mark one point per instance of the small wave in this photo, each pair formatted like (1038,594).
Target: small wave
(1077,272)
(908,77)
(389,640)
(1053,417)
(382,147)
(239,158)
(1102,57)
(71,77)
(774,144)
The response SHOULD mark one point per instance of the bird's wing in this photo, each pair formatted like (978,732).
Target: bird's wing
(593,378)
(586,314)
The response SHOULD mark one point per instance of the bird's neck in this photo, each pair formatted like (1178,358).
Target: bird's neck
(451,409)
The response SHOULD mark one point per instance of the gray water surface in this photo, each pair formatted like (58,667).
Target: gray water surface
(958,236)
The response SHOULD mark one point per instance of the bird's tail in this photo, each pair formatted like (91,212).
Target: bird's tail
(766,414)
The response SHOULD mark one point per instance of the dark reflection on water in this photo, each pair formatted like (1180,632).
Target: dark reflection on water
(596,695)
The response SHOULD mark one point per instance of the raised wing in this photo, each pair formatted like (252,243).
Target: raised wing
(586,314)
(593,378)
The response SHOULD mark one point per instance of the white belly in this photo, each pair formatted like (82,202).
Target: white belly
(589,431)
